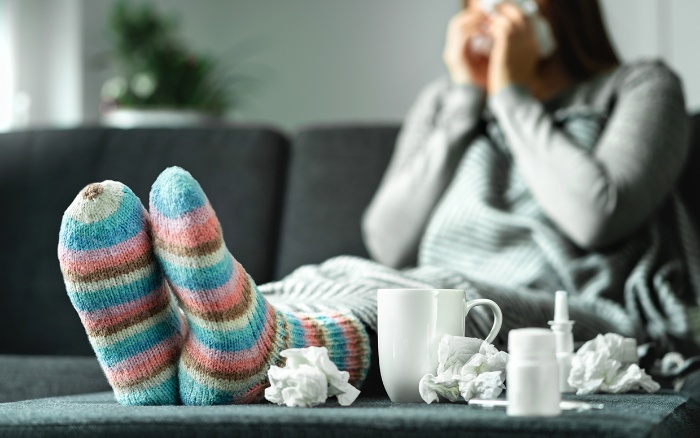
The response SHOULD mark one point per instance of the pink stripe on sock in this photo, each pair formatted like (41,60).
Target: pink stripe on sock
(192,224)
(197,216)
(84,262)
(247,360)
(309,331)
(192,236)
(348,333)
(139,364)
(116,314)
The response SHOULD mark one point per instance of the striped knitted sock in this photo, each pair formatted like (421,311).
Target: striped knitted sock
(117,287)
(235,334)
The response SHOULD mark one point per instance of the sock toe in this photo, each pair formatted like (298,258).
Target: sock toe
(103,214)
(176,193)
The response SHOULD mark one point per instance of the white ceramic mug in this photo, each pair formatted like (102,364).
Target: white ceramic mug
(411,323)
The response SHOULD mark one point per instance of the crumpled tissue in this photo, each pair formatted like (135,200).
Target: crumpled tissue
(308,378)
(597,367)
(468,368)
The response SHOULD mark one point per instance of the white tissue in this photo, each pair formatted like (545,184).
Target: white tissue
(547,44)
(468,368)
(598,367)
(528,6)
(308,378)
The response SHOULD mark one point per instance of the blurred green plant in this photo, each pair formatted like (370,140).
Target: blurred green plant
(156,69)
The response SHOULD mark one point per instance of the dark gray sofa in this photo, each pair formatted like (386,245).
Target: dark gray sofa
(284,201)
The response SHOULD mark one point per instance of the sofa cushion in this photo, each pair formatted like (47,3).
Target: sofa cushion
(241,169)
(665,414)
(333,174)
(30,377)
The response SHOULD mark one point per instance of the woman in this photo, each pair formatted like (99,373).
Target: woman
(512,178)
(544,174)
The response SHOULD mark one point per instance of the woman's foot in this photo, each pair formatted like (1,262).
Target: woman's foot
(116,285)
(235,334)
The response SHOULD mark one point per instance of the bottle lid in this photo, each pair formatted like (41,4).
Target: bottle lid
(531,342)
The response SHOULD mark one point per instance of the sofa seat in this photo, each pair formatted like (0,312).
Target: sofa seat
(665,414)
(24,377)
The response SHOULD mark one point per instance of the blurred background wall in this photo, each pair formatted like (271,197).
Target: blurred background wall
(314,60)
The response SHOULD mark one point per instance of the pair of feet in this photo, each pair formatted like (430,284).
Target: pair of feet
(119,265)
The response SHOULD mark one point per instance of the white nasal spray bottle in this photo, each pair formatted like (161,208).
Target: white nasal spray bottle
(564,339)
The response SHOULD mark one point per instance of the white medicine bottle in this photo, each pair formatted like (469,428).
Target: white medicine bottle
(532,374)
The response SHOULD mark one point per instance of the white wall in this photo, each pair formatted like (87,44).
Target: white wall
(666,29)
(316,60)
(47,82)
(683,45)
(7,70)
(364,60)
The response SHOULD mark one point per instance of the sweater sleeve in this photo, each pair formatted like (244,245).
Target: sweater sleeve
(428,148)
(597,198)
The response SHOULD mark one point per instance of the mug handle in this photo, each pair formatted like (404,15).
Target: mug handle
(497,315)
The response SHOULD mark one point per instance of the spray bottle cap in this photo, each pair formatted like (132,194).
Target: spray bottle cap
(561,310)
(561,325)
(561,306)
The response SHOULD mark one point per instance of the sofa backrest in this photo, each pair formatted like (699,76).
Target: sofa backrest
(333,173)
(241,169)
(689,184)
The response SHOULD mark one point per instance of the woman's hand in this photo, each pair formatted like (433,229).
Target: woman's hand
(514,55)
(465,67)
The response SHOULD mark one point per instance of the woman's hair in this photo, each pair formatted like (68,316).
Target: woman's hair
(582,38)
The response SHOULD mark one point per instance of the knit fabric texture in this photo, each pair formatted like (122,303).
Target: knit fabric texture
(235,334)
(117,287)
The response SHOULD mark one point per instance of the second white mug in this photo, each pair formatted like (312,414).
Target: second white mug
(410,325)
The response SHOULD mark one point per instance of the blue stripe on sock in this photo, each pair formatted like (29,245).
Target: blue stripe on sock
(199,279)
(295,327)
(194,393)
(337,349)
(113,296)
(121,225)
(165,393)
